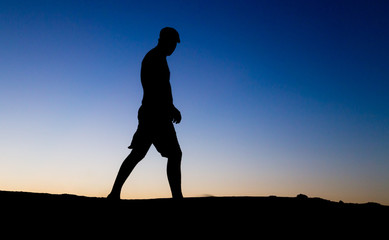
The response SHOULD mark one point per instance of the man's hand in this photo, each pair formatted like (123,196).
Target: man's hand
(176,116)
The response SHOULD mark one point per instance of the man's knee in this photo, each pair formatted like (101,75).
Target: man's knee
(178,154)
(175,155)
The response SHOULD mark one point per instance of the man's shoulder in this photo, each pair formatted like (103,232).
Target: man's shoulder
(152,56)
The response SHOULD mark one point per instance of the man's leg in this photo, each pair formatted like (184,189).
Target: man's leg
(167,145)
(174,174)
(125,170)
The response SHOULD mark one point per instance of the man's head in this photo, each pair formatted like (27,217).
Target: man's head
(168,39)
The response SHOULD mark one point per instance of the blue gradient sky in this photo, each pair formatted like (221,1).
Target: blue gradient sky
(277,97)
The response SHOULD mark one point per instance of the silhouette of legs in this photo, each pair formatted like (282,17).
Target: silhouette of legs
(125,170)
(174,175)
(136,155)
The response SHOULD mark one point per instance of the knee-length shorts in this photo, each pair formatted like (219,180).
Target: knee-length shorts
(162,135)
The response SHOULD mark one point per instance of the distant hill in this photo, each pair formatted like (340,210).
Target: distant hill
(223,216)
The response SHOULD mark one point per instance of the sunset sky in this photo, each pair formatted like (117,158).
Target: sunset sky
(277,97)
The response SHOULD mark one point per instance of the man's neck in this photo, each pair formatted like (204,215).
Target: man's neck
(160,50)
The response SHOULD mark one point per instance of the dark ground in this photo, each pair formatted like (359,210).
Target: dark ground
(37,214)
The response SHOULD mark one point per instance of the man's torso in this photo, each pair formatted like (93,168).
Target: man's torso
(157,96)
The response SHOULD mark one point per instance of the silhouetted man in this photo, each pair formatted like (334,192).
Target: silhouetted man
(156,116)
